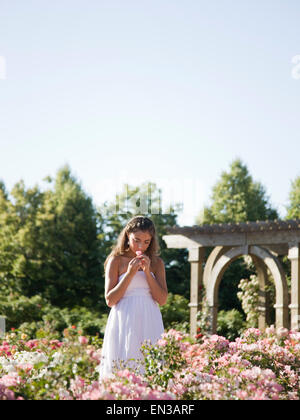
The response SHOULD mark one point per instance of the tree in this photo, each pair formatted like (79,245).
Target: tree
(237,198)
(54,249)
(8,243)
(70,248)
(293,210)
(3,191)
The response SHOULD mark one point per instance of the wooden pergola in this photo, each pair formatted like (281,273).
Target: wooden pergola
(264,241)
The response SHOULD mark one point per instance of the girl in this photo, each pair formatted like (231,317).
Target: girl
(135,283)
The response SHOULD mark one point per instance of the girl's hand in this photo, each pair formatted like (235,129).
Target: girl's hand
(145,263)
(134,265)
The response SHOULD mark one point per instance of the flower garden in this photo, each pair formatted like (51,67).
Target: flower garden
(256,366)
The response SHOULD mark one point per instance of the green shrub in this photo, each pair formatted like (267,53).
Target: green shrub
(230,324)
(31,314)
(176,313)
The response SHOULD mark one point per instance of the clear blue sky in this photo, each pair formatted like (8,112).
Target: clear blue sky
(168,91)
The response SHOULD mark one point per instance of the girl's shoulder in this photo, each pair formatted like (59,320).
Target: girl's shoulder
(158,262)
(123,262)
(119,262)
(158,259)
(113,260)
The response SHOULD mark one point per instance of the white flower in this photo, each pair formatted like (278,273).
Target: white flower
(57,359)
(30,357)
(10,365)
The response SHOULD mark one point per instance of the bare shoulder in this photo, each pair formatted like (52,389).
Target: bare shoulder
(113,263)
(113,259)
(160,261)
(159,264)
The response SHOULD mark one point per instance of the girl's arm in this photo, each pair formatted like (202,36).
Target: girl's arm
(158,285)
(114,291)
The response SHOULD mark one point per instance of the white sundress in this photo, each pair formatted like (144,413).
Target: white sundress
(134,319)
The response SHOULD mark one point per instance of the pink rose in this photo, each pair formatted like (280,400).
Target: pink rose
(82,339)
(162,342)
(138,253)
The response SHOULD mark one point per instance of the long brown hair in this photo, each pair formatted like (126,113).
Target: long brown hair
(135,224)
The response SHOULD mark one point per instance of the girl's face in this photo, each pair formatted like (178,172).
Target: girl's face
(139,241)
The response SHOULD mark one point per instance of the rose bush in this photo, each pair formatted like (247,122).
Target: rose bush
(254,366)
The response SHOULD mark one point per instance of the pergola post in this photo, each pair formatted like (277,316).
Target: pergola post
(196,259)
(294,257)
(263,296)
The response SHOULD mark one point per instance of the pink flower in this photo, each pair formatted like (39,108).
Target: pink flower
(162,342)
(270,330)
(9,380)
(138,253)
(27,367)
(233,371)
(56,343)
(6,394)
(31,344)
(282,332)
(82,339)
(255,331)
(242,395)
